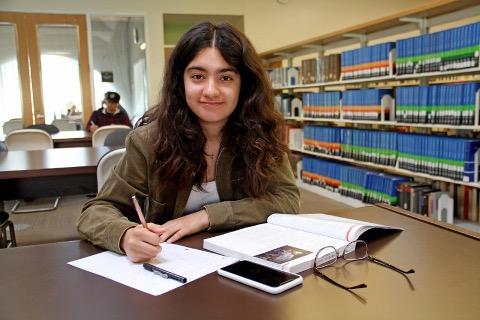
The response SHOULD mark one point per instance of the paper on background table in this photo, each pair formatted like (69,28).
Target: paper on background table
(187,262)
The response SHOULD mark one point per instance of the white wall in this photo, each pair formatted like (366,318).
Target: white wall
(152,11)
(272,25)
(110,47)
(268,24)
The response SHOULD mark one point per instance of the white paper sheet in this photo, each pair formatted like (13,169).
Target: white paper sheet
(187,262)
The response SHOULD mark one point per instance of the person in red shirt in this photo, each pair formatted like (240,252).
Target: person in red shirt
(112,113)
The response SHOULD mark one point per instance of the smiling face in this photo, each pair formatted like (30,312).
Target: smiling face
(212,87)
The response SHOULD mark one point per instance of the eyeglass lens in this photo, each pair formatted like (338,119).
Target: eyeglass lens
(355,250)
(326,257)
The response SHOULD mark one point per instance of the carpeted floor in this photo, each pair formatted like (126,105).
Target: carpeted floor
(59,224)
(51,226)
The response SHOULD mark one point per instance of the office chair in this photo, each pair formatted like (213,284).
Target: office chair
(105,165)
(116,138)
(30,139)
(3,147)
(48,128)
(98,137)
(12,124)
(6,225)
(64,124)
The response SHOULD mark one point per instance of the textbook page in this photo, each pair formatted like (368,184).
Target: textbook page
(187,262)
(326,225)
(271,245)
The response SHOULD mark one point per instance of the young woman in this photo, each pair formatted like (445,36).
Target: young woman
(211,156)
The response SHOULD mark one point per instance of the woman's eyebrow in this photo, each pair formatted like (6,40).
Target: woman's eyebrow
(199,68)
(231,69)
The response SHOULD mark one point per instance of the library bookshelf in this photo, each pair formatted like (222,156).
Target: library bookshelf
(420,19)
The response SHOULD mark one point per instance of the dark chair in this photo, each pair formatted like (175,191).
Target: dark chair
(5,225)
(116,138)
(11,125)
(3,147)
(48,128)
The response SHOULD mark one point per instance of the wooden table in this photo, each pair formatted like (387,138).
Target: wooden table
(37,283)
(50,172)
(68,139)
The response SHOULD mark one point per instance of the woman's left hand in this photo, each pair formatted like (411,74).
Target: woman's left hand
(176,229)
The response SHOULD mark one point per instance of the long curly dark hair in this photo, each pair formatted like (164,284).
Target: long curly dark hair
(253,133)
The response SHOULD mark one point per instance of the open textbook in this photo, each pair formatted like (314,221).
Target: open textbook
(290,242)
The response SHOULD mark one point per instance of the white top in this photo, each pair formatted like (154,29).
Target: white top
(198,199)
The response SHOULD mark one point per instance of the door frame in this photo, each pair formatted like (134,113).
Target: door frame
(28,56)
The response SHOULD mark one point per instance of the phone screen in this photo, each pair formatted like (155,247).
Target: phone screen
(259,273)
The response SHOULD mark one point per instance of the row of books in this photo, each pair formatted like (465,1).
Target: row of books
(322,104)
(366,104)
(283,77)
(361,184)
(426,199)
(467,202)
(363,145)
(442,202)
(452,49)
(363,104)
(323,69)
(451,157)
(454,104)
(367,62)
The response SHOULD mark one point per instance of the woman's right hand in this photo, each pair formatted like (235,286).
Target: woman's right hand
(140,244)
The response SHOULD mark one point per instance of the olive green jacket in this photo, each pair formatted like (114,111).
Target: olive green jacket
(105,218)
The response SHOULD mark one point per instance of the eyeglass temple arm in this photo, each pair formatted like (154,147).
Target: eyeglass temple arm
(383,263)
(362,285)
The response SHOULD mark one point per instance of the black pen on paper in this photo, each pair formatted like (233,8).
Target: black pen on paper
(164,273)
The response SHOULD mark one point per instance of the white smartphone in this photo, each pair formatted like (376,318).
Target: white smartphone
(261,277)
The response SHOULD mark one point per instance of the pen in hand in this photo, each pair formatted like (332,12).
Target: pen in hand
(139,212)
(164,273)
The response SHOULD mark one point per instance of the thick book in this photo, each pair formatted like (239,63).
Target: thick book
(290,242)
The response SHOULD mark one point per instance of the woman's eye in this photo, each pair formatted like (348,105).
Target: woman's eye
(226,78)
(197,76)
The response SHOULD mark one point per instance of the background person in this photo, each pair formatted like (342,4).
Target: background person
(111,113)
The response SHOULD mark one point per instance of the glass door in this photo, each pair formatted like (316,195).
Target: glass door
(57,73)
(15,102)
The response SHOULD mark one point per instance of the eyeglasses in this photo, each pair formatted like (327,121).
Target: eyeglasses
(354,251)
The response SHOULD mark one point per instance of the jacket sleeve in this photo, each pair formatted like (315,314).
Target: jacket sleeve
(105,219)
(283,196)
(93,117)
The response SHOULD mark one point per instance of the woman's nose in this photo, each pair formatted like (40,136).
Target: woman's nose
(211,89)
